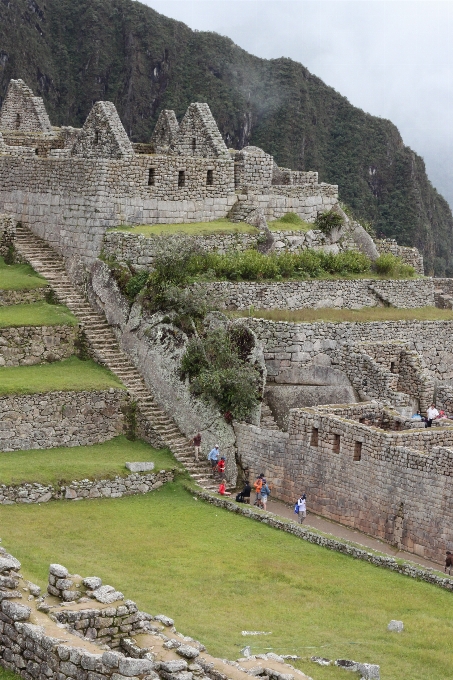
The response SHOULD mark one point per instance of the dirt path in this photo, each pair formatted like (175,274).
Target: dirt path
(345,533)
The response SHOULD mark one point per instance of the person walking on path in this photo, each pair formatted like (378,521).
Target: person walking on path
(301,508)
(431,414)
(196,441)
(221,467)
(213,457)
(265,492)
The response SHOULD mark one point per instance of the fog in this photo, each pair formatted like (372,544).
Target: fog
(391,58)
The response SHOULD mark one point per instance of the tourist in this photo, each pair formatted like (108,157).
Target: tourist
(221,467)
(448,562)
(196,441)
(222,489)
(431,414)
(417,416)
(301,508)
(257,486)
(265,492)
(213,457)
(244,495)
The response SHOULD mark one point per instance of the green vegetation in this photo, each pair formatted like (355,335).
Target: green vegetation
(328,221)
(290,221)
(177,555)
(36,314)
(19,277)
(63,464)
(68,375)
(365,314)
(222,226)
(392,266)
(216,365)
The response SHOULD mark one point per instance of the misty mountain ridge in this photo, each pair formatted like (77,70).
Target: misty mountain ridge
(76,52)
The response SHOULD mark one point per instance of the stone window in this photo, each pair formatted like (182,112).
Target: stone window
(314,436)
(152,177)
(96,137)
(194,144)
(357,450)
(17,121)
(392,367)
(336,443)
(210,178)
(181,178)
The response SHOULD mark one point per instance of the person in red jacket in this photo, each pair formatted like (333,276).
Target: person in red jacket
(221,468)
(222,489)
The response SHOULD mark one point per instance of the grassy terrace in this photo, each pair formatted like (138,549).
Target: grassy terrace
(19,277)
(214,572)
(63,464)
(222,226)
(36,314)
(365,314)
(68,375)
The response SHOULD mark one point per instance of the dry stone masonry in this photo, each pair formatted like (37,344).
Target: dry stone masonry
(29,345)
(42,421)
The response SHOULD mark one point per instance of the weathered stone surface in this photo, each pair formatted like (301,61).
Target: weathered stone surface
(92,582)
(396,626)
(187,651)
(16,612)
(58,570)
(140,467)
(8,563)
(174,666)
(107,594)
(132,667)
(165,620)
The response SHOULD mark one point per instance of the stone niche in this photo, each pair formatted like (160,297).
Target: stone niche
(308,385)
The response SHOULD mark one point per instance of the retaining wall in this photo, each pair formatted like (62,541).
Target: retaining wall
(29,345)
(46,420)
(344,294)
(289,345)
(100,488)
(23,297)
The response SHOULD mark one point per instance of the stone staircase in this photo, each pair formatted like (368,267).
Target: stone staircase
(242,209)
(267,420)
(106,351)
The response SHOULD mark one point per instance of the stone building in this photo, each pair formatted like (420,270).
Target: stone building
(70,185)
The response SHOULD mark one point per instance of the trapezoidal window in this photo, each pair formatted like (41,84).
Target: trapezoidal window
(336,443)
(210,178)
(314,436)
(357,450)
(194,144)
(392,367)
(17,121)
(181,178)
(96,137)
(151,177)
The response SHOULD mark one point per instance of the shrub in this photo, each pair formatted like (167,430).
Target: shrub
(291,218)
(328,221)
(217,368)
(390,265)
(135,284)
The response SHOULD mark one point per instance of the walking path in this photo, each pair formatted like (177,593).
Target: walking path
(341,532)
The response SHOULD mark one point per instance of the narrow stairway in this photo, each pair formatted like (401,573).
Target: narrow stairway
(267,420)
(106,351)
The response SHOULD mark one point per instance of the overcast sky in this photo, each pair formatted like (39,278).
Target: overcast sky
(391,58)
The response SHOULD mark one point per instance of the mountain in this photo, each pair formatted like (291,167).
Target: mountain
(75,52)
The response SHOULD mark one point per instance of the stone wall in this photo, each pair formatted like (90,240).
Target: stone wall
(139,250)
(362,476)
(23,297)
(344,294)
(296,344)
(99,488)
(46,420)
(29,345)
(410,256)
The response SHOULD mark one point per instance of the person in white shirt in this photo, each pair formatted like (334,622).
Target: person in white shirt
(431,414)
(302,505)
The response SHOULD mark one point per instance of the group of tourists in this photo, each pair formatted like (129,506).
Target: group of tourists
(431,414)
(260,486)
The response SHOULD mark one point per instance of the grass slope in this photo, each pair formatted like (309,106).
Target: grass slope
(68,375)
(365,314)
(218,574)
(63,464)
(19,277)
(36,314)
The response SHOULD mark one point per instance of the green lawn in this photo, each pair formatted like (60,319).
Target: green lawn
(19,277)
(285,225)
(68,375)
(223,226)
(365,314)
(218,574)
(63,464)
(36,314)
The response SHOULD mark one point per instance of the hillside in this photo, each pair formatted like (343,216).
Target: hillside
(74,52)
